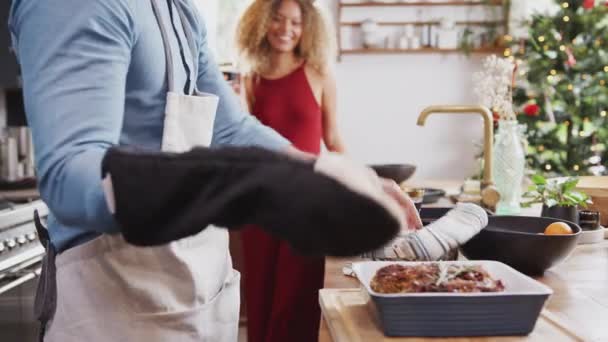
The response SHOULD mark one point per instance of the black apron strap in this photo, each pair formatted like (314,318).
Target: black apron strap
(46,293)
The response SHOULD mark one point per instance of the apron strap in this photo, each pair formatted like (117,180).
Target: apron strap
(46,293)
(190,40)
(167,45)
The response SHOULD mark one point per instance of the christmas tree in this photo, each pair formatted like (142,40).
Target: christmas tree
(562,90)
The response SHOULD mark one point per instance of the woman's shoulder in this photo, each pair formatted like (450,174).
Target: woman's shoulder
(318,77)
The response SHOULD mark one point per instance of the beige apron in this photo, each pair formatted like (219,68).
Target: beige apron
(187,290)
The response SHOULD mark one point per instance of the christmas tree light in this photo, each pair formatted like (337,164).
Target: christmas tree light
(562,95)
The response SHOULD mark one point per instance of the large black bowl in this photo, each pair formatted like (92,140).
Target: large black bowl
(515,241)
(397,172)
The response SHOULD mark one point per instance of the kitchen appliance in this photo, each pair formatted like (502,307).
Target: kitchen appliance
(20,262)
(20,249)
(447,314)
(397,172)
(16,146)
(519,242)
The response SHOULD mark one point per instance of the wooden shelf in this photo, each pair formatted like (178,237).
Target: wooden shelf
(343,6)
(363,51)
(421,23)
(422,3)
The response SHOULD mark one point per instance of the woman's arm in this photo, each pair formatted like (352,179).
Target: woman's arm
(247,91)
(331,137)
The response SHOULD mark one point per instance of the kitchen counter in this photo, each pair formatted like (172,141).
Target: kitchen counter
(579,303)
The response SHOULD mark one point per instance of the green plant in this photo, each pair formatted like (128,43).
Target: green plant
(555,192)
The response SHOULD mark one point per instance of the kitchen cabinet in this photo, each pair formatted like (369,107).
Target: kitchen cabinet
(9,70)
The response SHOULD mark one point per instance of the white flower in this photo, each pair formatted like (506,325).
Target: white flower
(493,86)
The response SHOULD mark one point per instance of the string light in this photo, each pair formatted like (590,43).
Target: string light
(565,5)
(550,78)
(562,48)
(581,134)
(603,113)
(553,72)
(507,52)
(586,120)
(566,18)
(548,167)
(508,38)
(585,76)
(606,68)
(511,58)
(541,148)
(545,47)
(541,39)
(575,167)
(567,123)
(570,87)
(602,82)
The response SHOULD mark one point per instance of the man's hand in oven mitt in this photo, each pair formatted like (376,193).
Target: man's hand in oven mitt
(329,206)
(435,240)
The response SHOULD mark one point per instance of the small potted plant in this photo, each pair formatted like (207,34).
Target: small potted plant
(558,197)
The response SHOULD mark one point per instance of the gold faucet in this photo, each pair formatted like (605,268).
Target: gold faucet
(489,193)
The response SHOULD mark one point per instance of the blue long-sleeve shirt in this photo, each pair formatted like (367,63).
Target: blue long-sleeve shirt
(94,76)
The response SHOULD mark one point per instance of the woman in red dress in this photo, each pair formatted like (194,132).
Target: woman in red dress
(287,47)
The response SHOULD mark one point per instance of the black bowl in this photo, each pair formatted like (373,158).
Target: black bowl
(432,195)
(515,241)
(397,172)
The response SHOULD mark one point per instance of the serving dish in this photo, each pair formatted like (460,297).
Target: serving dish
(511,312)
(519,242)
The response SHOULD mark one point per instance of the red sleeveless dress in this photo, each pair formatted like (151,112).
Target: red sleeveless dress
(281,287)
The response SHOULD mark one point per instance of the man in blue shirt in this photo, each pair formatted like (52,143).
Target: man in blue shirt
(94,77)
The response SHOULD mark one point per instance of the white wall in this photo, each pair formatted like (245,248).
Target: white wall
(209,10)
(380,97)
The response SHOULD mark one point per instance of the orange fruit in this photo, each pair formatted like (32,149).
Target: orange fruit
(558,228)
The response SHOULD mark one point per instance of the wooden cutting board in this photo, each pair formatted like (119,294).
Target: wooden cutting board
(350,319)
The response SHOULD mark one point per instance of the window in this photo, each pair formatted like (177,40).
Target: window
(221,18)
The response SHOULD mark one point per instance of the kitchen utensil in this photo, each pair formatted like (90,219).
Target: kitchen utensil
(519,242)
(417,196)
(432,195)
(511,312)
(589,219)
(397,172)
(597,188)
(348,318)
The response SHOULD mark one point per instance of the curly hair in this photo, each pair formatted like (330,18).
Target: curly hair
(316,45)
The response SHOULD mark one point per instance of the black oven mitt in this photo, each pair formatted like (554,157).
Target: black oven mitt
(161,197)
